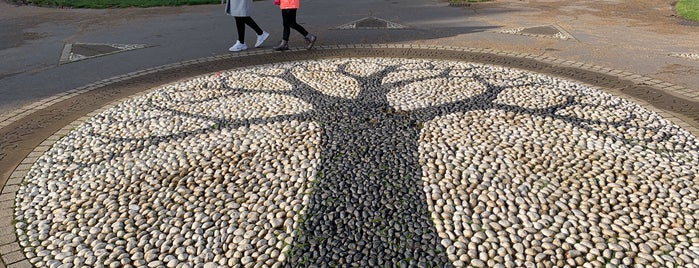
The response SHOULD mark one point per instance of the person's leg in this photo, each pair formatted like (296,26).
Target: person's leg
(286,22)
(293,24)
(240,24)
(310,38)
(261,35)
(288,16)
(250,22)
(240,44)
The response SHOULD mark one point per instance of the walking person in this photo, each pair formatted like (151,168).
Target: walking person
(241,11)
(289,8)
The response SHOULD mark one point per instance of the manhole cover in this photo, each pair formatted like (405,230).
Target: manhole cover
(80,51)
(541,30)
(371,23)
(548,31)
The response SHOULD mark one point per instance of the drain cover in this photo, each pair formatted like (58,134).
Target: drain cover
(370,23)
(80,51)
(541,30)
(549,31)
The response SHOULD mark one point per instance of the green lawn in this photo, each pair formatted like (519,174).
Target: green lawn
(467,1)
(688,9)
(116,3)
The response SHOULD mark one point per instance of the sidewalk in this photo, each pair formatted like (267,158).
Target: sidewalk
(641,40)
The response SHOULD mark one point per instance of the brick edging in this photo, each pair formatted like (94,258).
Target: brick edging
(19,113)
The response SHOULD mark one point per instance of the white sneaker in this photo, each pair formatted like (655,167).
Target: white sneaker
(238,47)
(261,39)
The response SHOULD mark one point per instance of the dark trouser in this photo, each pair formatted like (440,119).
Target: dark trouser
(240,23)
(289,21)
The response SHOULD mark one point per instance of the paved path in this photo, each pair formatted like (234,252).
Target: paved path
(34,38)
(44,100)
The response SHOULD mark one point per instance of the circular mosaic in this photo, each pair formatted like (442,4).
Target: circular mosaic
(366,162)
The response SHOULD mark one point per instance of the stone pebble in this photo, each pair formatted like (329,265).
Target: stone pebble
(517,168)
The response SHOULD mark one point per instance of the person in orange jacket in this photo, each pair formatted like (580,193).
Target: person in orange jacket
(289,8)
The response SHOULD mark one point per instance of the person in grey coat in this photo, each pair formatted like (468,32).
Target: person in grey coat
(241,11)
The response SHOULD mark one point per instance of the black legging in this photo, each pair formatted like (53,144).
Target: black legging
(240,24)
(289,21)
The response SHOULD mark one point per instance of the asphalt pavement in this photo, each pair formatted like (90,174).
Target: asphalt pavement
(35,41)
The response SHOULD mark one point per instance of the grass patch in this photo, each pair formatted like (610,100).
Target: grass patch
(688,9)
(467,1)
(98,4)
(118,3)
